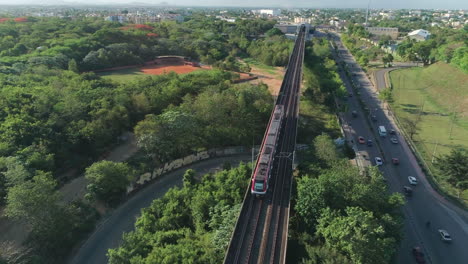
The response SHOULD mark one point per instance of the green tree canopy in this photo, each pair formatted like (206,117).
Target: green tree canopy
(108,180)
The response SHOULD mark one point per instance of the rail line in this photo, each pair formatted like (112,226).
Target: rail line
(260,234)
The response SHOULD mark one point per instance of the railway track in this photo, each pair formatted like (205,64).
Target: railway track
(260,235)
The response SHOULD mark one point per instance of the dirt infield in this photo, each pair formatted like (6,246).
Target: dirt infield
(162,69)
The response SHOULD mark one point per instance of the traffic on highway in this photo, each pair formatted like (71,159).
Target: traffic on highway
(435,230)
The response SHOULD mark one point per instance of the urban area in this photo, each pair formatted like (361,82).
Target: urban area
(136,133)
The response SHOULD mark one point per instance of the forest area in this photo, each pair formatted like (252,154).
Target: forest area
(338,215)
(57,115)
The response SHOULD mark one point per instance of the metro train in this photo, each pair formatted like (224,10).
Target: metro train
(264,167)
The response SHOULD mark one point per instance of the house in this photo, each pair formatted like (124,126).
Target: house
(419,34)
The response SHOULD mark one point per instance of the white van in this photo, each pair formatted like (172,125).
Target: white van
(382,131)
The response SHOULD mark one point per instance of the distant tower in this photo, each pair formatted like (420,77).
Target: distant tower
(367,12)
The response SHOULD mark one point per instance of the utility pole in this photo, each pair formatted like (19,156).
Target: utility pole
(433,153)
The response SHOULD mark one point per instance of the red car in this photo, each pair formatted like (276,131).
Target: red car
(395,161)
(418,255)
(361,140)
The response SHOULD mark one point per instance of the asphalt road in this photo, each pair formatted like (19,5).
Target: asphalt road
(425,204)
(109,233)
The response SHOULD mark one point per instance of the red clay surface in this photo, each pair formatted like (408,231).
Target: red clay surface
(162,69)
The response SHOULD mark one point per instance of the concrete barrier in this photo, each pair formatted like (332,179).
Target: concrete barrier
(148,177)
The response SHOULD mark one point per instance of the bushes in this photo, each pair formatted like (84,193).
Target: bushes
(193,223)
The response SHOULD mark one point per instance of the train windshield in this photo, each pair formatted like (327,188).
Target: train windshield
(258,186)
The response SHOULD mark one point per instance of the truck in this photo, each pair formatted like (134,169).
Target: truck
(382,131)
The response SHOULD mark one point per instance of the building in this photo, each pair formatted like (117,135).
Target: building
(116,18)
(171,17)
(302,20)
(267,12)
(381,31)
(419,34)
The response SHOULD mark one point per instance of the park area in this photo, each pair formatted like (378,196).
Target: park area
(434,100)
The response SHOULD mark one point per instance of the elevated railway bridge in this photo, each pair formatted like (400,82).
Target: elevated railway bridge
(261,231)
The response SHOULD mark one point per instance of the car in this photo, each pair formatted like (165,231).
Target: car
(350,94)
(374,118)
(408,190)
(395,161)
(418,255)
(361,140)
(392,132)
(369,143)
(394,140)
(445,235)
(412,180)
(378,161)
(354,113)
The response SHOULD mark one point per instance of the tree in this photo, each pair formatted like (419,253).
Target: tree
(386,95)
(108,180)
(423,50)
(454,167)
(274,32)
(363,60)
(324,255)
(169,135)
(358,233)
(325,149)
(73,66)
(412,124)
(189,178)
(34,201)
(387,59)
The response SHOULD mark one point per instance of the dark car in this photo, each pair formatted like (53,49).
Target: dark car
(374,118)
(408,190)
(354,113)
(369,143)
(418,255)
(392,132)
(395,161)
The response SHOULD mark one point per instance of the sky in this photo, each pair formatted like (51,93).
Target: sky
(394,4)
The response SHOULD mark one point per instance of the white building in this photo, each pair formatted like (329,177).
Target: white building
(419,34)
(270,12)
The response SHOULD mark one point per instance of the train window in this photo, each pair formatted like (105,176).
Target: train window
(258,185)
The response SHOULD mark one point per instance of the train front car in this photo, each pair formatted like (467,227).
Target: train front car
(267,155)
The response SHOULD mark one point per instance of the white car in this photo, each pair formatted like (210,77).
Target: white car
(394,140)
(445,235)
(378,161)
(412,180)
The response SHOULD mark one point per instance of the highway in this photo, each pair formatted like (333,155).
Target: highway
(425,204)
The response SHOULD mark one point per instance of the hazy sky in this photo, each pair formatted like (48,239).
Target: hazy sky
(419,4)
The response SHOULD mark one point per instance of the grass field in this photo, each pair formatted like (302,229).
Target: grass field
(122,75)
(254,63)
(439,93)
(132,73)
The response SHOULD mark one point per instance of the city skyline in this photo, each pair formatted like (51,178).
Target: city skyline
(376,4)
